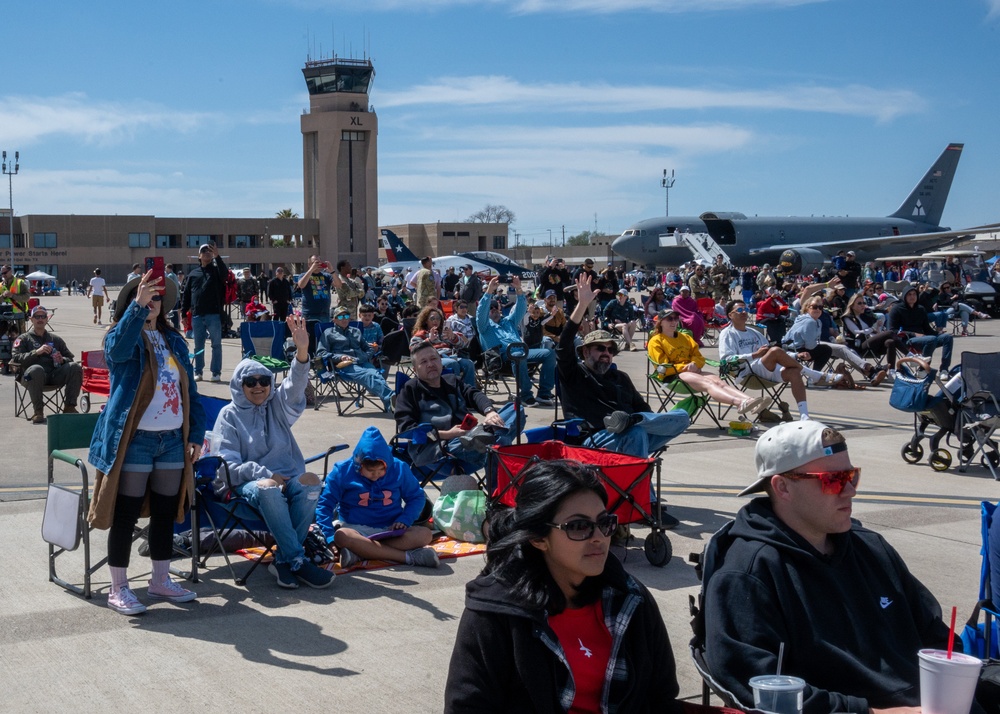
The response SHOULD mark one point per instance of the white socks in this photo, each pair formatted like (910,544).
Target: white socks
(803,411)
(161,569)
(119,578)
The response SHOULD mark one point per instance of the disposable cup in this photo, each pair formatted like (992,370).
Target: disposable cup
(777,693)
(947,686)
(212,444)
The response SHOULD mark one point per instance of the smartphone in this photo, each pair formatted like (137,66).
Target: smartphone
(506,278)
(156,265)
(468,422)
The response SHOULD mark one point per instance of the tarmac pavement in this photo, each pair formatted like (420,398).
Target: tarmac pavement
(380,641)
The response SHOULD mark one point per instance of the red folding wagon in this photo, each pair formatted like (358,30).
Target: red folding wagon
(626,479)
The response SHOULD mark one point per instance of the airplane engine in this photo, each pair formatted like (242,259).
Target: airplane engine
(800,261)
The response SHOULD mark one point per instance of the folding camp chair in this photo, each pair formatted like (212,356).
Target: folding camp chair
(979,415)
(265,341)
(53,397)
(347,396)
(983,639)
(224,515)
(713,323)
(65,432)
(674,393)
(706,562)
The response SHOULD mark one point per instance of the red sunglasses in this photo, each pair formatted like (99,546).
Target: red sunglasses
(830,482)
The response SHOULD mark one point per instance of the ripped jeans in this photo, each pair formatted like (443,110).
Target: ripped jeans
(287,512)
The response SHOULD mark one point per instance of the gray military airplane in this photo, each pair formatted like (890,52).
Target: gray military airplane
(800,244)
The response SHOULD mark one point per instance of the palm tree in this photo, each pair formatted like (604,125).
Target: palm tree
(287,213)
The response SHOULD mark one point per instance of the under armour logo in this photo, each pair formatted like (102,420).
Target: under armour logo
(885,602)
(365,498)
(586,652)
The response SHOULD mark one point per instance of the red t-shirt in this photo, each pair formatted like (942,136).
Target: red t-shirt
(587,643)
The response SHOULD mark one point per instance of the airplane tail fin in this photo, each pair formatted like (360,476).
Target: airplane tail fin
(395,250)
(925,203)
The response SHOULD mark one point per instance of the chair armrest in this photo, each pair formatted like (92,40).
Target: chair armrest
(326,456)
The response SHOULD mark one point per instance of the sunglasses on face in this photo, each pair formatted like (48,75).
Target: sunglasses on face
(342,317)
(740,310)
(583,528)
(157,298)
(252,382)
(815,307)
(39,317)
(671,318)
(830,482)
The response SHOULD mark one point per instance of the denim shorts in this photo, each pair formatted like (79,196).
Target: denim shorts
(155,449)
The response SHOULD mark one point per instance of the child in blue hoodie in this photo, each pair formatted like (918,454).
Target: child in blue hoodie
(373,492)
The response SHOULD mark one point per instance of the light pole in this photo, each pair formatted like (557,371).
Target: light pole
(550,236)
(667,183)
(11,172)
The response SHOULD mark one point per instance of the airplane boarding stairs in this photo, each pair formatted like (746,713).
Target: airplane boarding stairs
(702,246)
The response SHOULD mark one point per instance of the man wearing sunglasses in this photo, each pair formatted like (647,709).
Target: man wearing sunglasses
(266,466)
(794,569)
(42,359)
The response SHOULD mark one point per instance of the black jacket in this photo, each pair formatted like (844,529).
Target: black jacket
(589,396)
(419,403)
(851,622)
(279,290)
(502,662)
(909,319)
(205,289)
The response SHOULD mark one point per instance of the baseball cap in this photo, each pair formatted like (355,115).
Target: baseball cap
(588,261)
(204,247)
(598,336)
(786,447)
(664,314)
(685,287)
(623,291)
(39,308)
(851,252)
(341,311)
(550,293)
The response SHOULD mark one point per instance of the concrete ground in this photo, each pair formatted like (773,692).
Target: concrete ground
(380,641)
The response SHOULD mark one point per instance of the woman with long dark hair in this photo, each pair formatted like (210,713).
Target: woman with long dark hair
(431,326)
(554,623)
(146,438)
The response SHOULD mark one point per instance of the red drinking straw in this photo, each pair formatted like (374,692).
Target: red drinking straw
(951,635)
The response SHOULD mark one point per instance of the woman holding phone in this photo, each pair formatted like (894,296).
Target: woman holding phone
(146,438)
(554,623)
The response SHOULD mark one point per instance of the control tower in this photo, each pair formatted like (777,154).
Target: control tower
(339,159)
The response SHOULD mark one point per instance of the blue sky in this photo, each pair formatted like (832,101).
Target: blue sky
(566,111)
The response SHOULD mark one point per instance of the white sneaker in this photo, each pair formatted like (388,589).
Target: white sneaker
(197,378)
(125,602)
(169,590)
(751,406)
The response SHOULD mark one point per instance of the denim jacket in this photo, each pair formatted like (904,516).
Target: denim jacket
(125,352)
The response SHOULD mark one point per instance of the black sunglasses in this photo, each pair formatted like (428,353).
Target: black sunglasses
(583,528)
(157,298)
(252,382)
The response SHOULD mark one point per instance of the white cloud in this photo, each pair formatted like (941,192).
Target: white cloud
(506,93)
(24,120)
(994,9)
(525,7)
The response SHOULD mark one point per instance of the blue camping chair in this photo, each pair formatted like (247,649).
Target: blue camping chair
(327,382)
(232,512)
(266,340)
(983,639)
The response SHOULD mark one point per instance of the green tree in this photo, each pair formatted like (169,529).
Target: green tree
(492,213)
(286,240)
(581,238)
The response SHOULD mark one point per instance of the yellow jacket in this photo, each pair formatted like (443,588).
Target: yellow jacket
(675,352)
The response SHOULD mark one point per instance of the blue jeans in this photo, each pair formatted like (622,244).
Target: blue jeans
(927,343)
(649,435)
(462,366)
(473,460)
(212,326)
(163,450)
(370,378)
(546,374)
(287,513)
(939,318)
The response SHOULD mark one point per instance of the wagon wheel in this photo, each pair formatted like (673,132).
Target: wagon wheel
(84,402)
(658,548)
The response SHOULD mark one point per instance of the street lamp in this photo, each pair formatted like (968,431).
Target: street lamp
(11,173)
(550,236)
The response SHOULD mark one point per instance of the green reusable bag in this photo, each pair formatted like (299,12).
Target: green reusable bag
(460,515)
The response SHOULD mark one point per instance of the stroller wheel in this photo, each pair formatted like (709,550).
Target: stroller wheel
(940,460)
(84,402)
(658,548)
(912,453)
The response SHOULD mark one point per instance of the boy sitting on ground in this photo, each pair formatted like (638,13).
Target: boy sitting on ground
(373,492)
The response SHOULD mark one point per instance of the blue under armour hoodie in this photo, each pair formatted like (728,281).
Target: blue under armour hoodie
(351,498)
(257,441)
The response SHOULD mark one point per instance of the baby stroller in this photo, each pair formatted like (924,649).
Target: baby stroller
(959,410)
(626,478)
(96,380)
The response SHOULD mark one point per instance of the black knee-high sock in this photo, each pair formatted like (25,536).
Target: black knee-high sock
(127,510)
(162,510)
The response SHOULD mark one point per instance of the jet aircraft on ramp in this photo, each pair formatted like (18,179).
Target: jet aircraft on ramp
(483,262)
(803,243)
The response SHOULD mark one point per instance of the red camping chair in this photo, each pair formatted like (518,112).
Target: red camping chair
(96,380)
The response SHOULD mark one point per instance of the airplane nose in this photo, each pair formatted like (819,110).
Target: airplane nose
(621,244)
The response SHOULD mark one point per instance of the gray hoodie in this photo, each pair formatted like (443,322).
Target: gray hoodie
(257,441)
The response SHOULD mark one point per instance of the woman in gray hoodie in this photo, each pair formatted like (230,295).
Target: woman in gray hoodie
(266,466)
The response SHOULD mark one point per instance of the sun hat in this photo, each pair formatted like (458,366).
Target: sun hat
(127,295)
